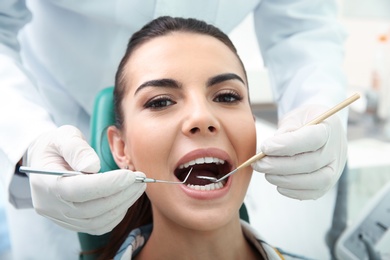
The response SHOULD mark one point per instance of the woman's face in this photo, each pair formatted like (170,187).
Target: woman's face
(186,106)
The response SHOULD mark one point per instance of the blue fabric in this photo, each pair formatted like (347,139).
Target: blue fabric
(137,239)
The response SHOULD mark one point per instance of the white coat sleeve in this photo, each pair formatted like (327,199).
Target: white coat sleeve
(302,46)
(22,116)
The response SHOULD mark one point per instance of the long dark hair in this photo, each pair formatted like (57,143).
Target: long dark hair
(140,213)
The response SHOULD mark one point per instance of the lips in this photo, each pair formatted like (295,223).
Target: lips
(203,166)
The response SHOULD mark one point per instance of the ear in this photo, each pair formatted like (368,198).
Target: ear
(118,148)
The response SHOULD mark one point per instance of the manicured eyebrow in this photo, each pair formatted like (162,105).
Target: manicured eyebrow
(165,83)
(223,77)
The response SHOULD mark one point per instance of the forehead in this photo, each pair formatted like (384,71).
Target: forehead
(181,53)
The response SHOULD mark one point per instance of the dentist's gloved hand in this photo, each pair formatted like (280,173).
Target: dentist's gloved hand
(88,203)
(304,163)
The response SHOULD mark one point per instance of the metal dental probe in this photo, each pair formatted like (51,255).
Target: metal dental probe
(261,155)
(150,180)
(65,173)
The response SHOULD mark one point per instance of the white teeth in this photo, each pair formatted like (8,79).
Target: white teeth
(211,186)
(208,159)
(202,160)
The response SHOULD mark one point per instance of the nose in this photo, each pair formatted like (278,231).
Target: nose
(201,119)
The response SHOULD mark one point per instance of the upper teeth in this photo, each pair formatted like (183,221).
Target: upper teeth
(202,160)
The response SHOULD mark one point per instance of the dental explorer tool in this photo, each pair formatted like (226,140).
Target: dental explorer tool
(65,173)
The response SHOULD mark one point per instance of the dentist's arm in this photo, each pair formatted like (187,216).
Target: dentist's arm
(92,203)
(23,116)
(302,46)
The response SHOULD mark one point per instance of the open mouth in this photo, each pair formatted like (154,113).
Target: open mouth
(205,166)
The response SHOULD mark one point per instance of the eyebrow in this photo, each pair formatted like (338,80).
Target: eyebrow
(168,83)
(171,83)
(223,77)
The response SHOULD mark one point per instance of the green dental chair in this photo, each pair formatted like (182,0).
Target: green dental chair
(102,117)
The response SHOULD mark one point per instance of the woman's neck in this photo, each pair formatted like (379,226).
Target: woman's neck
(174,242)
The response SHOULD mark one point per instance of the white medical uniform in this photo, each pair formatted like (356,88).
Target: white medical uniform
(68,50)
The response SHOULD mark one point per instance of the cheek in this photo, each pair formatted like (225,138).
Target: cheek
(245,146)
(247,141)
(146,148)
(244,137)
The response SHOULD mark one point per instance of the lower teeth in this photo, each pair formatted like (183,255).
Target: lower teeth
(211,186)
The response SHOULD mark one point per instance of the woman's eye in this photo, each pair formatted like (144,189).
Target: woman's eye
(228,97)
(159,103)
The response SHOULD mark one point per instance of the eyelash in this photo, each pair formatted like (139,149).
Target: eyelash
(156,102)
(161,102)
(232,95)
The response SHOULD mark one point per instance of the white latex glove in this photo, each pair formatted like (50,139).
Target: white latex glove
(88,203)
(304,163)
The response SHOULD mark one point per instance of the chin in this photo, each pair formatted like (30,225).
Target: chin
(209,219)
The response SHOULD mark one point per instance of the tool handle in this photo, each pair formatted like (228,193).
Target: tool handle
(251,160)
(49,172)
(334,110)
(315,121)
